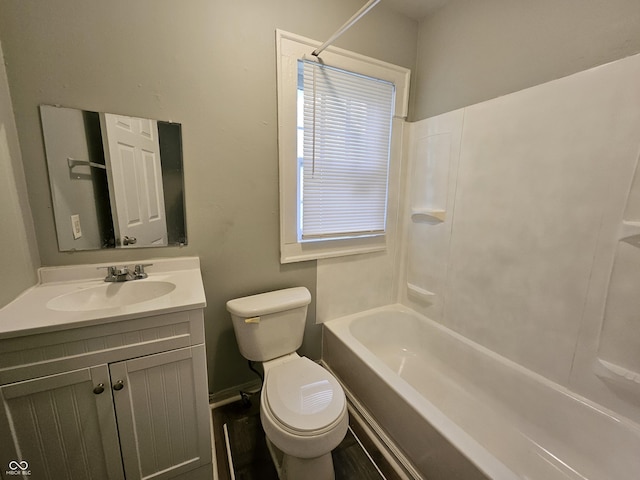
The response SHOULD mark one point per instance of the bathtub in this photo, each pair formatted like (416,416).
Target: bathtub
(456,410)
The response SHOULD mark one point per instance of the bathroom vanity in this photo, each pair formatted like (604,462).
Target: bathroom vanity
(106,380)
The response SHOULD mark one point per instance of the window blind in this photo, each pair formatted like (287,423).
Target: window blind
(346,135)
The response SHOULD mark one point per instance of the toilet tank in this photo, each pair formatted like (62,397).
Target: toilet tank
(270,325)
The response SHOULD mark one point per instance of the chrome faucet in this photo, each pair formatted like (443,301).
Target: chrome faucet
(123,274)
(138,270)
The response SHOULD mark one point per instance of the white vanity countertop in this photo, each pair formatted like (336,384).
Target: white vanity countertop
(29,314)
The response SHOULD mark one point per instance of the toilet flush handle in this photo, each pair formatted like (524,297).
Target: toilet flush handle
(252,320)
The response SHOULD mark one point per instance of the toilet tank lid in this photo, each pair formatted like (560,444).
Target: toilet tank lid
(270,302)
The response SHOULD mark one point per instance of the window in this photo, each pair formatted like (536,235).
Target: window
(344,135)
(335,118)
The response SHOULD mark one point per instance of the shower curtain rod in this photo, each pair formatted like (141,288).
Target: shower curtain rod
(357,16)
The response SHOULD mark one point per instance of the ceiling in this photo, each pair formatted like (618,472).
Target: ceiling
(416,9)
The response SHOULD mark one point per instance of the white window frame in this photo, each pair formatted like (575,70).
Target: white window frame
(289,49)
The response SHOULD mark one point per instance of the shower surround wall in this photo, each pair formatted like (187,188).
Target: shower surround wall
(512,219)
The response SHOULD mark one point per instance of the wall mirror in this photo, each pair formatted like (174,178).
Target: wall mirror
(116,181)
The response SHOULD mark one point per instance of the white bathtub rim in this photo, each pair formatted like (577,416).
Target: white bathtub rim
(340,325)
(484,459)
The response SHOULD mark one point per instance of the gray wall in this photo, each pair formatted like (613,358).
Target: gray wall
(470,50)
(18,250)
(209,65)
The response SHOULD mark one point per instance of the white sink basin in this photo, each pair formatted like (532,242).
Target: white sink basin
(75,296)
(110,295)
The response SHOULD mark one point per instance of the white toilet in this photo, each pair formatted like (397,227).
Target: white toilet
(302,406)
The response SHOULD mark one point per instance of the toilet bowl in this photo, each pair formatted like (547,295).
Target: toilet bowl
(304,415)
(303,408)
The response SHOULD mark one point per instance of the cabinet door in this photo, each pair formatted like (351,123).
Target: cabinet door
(162,407)
(60,427)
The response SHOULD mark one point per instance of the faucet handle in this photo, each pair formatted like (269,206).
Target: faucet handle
(111,270)
(111,273)
(139,270)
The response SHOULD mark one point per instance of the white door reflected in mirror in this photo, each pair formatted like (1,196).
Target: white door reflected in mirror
(134,173)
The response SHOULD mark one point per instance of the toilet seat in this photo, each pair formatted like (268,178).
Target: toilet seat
(304,397)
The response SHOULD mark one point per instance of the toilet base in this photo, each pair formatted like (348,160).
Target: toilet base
(293,468)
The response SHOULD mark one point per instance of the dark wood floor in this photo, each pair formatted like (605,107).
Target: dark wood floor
(251,458)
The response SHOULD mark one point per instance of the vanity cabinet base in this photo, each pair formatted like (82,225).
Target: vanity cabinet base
(123,413)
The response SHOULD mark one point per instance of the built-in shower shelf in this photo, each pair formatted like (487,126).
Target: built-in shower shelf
(630,233)
(420,292)
(613,371)
(431,217)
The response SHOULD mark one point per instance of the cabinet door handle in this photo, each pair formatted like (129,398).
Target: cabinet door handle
(99,389)
(119,385)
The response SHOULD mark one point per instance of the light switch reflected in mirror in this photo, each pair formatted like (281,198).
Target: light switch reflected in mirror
(116,181)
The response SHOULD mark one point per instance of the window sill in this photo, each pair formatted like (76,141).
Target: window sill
(300,252)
